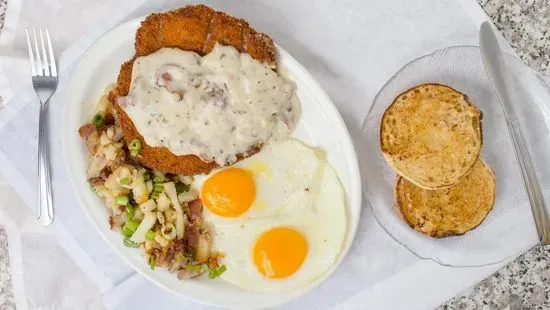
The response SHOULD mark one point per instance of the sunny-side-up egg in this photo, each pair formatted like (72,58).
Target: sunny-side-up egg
(278,217)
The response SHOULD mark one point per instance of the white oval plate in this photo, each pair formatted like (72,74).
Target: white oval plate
(320,125)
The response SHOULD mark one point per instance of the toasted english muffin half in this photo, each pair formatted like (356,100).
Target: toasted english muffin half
(431,135)
(450,211)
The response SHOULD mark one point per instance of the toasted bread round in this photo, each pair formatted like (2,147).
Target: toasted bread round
(194,28)
(431,135)
(450,211)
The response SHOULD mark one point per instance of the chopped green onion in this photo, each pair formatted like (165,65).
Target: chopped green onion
(196,268)
(150,235)
(158,179)
(134,147)
(159,187)
(155,195)
(98,120)
(124,181)
(182,187)
(152,262)
(127,232)
(130,211)
(129,243)
(122,200)
(216,272)
(180,257)
(131,225)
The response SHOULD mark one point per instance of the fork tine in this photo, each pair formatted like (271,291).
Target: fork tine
(53,65)
(37,54)
(44,57)
(31,55)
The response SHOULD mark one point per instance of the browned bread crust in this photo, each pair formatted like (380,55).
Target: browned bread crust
(450,211)
(194,28)
(431,135)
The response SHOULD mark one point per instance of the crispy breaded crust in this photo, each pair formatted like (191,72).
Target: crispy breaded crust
(194,28)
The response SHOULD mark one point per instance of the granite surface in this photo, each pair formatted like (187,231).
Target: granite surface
(524,283)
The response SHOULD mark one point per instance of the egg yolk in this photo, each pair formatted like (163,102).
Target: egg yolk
(229,193)
(279,252)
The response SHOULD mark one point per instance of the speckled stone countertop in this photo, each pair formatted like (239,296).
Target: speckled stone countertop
(524,283)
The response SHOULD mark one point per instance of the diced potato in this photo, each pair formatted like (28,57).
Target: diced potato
(191,195)
(139,189)
(161,240)
(185,179)
(146,224)
(170,190)
(163,203)
(148,206)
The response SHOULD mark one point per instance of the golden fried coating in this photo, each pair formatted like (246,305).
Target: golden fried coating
(194,28)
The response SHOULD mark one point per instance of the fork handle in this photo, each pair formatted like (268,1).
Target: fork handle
(532,187)
(45,210)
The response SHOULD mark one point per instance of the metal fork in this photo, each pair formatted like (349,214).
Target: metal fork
(44,81)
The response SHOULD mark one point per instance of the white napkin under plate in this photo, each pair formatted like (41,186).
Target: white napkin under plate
(350,47)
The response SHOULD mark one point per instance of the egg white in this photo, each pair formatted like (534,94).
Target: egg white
(283,173)
(286,175)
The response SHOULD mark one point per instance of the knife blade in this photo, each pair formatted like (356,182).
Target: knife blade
(496,70)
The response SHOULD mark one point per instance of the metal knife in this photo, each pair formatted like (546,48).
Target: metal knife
(496,70)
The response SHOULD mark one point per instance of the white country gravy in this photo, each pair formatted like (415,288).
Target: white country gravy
(215,107)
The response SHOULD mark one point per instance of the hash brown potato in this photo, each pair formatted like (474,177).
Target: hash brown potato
(194,28)
(431,135)
(450,211)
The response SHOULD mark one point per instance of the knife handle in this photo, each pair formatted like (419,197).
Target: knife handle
(529,177)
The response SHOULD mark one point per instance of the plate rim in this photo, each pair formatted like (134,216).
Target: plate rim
(353,201)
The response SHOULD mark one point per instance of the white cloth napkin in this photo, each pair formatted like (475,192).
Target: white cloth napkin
(351,47)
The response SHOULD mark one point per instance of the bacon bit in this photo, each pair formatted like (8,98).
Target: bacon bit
(195,208)
(192,229)
(166,76)
(192,235)
(86,130)
(105,173)
(108,119)
(96,181)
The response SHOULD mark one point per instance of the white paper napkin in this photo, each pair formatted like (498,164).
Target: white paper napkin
(351,47)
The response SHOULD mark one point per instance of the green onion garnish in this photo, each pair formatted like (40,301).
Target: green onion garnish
(131,225)
(146,176)
(124,181)
(129,243)
(98,120)
(159,187)
(196,268)
(152,262)
(134,147)
(182,187)
(155,195)
(127,232)
(180,257)
(122,200)
(150,235)
(130,210)
(158,179)
(216,272)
